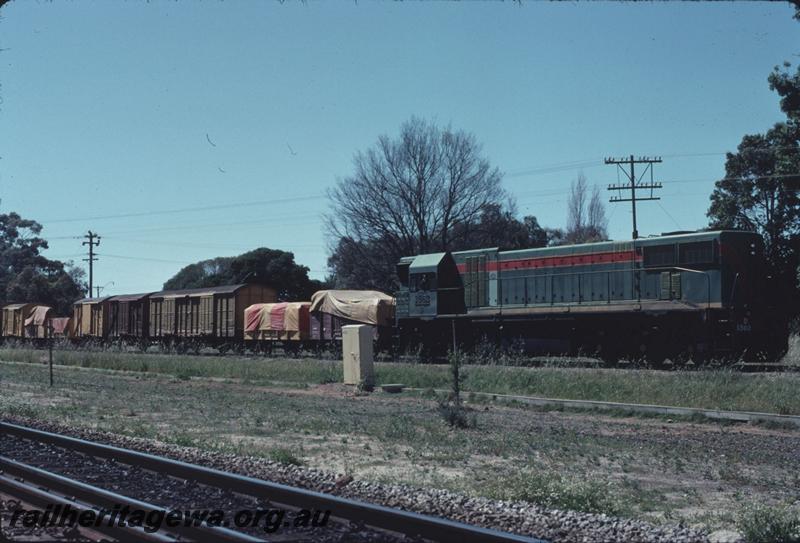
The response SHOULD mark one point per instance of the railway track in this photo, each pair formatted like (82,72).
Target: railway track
(645,409)
(48,470)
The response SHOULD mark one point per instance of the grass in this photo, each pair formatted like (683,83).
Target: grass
(558,492)
(765,524)
(634,467)
(709,389)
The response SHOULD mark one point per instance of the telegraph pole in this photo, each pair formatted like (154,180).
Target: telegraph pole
(93,241)
(634,183)
(98,288)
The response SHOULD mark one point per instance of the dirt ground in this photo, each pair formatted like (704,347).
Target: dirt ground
(660,469)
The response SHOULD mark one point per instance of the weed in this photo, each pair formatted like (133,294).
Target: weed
(558,492)
(765,524)
(284,456)
(458,416)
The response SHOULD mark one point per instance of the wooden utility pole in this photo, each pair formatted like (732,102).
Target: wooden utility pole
(91,237)
(634,183)
(50,351)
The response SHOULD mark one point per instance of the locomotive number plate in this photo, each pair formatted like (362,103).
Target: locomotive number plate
(422,299)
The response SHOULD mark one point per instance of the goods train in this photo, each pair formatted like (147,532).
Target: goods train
(680,296)
(237,317)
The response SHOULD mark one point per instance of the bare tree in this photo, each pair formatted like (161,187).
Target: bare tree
(576,206)
(406,194)
(597,221)
(586,215)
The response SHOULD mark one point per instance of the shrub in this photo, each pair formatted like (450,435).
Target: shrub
(457,415)
(284,456)
(765,524)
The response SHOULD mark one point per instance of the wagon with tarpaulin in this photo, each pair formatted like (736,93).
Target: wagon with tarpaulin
(332,309)
(284,324)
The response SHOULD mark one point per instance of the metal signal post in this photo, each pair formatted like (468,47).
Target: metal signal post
(633,183)
(91,237)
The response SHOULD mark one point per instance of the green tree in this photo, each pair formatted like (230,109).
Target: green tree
(273,267)
(760,189)
(498,226)
(26,275)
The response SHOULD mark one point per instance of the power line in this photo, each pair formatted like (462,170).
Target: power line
(206,245)
(190,209)
(142,258)
(194,226)
(669,215)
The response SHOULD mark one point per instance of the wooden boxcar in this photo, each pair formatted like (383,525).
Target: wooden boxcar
(14,316)
(129,315)
(214,315)
(90,318)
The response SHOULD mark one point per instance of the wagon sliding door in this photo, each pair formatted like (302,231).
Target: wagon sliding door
(225,316)
(187,314)
(207,315)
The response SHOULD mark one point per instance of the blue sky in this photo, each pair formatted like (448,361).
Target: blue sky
(130,109)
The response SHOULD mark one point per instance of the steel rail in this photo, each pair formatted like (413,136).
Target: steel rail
(378,516)
(108,500)
(41,498)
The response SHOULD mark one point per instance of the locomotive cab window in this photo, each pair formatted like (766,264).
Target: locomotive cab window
(699,252)
(402,273)
(659,256)
(423,281)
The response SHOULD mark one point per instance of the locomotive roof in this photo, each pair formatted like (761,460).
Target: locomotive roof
(429,262)
(589,247)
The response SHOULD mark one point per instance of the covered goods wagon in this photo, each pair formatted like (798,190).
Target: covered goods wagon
(90,318)
(14,316)
(129,315)
(214,314)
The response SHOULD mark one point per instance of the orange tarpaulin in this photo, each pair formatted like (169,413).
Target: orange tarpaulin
(60,325)
(284,318)
(38,316)
(367,306)
(252,318)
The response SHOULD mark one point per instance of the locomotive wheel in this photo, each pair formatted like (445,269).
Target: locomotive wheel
(609,355)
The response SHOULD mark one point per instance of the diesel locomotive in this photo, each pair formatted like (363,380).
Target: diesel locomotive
(680,296)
